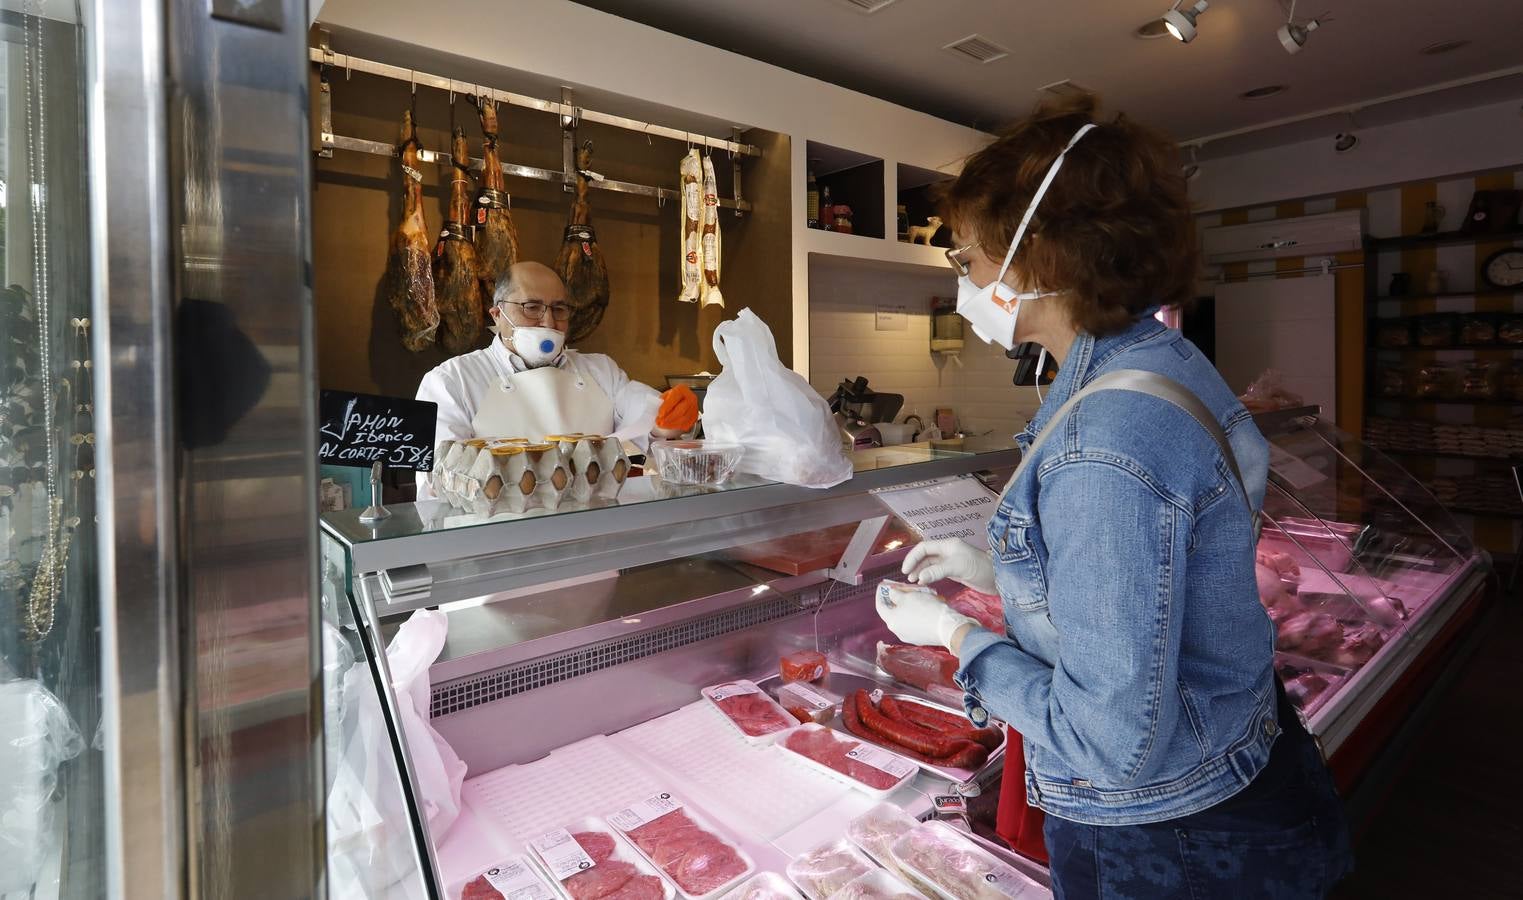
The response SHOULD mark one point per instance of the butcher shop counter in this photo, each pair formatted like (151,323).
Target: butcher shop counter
(577,644)
(1369,581)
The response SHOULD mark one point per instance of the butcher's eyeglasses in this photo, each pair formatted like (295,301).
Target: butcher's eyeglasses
(534,310)
(955,259)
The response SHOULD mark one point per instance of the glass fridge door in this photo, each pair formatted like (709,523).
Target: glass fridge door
(52,808)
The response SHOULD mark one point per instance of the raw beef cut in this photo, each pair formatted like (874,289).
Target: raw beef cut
(608,876)
(480,889)
(822,746)
(640,887)
(699,862)
(927,668)
(596,844)
(752,711)
(988,609)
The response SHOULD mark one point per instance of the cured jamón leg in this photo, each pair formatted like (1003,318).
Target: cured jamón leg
(409,281)
(456,270)
(496,236)
(580,263)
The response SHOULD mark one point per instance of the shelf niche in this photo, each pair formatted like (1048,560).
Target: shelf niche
(917,193)
(855,180)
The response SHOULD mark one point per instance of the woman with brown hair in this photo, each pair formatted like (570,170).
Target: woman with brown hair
(1136,660)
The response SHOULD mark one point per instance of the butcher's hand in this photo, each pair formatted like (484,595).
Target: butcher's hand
(932,561)
(678,413)
(921,617)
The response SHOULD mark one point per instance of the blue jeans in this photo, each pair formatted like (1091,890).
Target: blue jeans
(1282,837)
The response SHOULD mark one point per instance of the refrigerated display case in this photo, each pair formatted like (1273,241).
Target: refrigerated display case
(578,644)
(1366,577)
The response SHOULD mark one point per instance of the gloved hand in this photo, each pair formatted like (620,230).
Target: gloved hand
(679,410)
(919,616)
(954,558)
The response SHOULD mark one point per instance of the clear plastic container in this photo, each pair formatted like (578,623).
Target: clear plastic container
(694,462)
(823,871)
(947,862)
(876,830)
(764,886)
(516,878)
(877,885)
(588,860)
(873,770)
(687,848)
(758,718)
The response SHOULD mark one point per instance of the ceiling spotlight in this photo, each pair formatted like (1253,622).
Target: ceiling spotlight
(1346,140)
(1181,22)
(1292,36)
(1191,170)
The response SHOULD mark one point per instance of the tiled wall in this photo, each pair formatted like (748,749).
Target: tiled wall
(843,343)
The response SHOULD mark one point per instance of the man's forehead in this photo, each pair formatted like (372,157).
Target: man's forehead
(538,285)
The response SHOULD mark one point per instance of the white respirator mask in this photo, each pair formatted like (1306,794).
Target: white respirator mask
(993,309)
(536,345)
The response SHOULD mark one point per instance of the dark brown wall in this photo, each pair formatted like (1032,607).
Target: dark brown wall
(356,205)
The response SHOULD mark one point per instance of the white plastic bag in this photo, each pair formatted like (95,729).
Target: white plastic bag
(369,839)
(36,735)
(784,425)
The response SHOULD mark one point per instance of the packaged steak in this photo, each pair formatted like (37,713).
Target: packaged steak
(877,885)
(872,770)
(876,830)
(803,665)
(928,668)
(687,849)
(589,861)
(757,716)
(950,865)
(512,879)
(823,871)
(764,886)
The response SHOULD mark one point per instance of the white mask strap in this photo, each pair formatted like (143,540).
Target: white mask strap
(1041,366)
(1052,172)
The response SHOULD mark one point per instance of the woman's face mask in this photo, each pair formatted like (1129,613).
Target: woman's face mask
(993,309)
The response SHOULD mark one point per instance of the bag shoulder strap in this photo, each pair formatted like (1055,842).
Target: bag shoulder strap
(1154,385)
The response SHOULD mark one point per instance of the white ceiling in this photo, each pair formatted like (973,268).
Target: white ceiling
(1368,50)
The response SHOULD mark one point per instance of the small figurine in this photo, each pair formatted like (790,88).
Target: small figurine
(927,231)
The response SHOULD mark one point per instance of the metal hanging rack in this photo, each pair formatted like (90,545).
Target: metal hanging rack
(571,117)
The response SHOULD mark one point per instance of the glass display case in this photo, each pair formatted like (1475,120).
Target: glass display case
(1359,568)
(577,643)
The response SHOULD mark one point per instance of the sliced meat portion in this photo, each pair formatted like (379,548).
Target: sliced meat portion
(603,879)
(480,889)
(596,844)
(640,887)
(699,862)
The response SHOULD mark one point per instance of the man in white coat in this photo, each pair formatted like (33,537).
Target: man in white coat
(527,383)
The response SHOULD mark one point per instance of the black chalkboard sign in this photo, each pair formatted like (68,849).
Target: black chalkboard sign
(362,429)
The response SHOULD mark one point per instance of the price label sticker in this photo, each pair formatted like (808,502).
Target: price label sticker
(647,810)
(882,760)
(1008,881)
(805,695)
(733,689)
(516,881)
(563,856)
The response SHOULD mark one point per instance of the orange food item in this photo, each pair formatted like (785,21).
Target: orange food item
(803,665)
(679,409)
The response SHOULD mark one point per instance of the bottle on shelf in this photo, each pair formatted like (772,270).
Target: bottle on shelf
(825,204)
(813,220)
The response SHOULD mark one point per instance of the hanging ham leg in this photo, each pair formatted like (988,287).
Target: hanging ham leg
(456,270)
(496,236)
(580,263)
(409,282)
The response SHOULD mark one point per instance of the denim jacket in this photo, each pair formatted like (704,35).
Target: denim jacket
(1137,660)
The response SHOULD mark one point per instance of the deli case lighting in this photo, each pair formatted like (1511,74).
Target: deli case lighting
(584,698)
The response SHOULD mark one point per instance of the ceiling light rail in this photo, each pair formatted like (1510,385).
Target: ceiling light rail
(1354,108)
(349,63)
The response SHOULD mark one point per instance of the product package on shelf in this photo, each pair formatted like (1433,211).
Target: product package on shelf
(512,879)
(872,770)
(876,831)
(807,702)
(764,886)
(823,871)
(757,716)
(946,862)
(588,860)
(686,848)
(877,885)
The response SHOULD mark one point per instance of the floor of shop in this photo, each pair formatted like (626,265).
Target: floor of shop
(1452,825)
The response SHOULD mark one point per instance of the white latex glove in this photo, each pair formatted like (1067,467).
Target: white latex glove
(954,558)
(919,616)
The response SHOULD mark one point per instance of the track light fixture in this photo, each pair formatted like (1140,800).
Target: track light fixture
(1181,22)
(1191,169)
(1347,139)
(1292,36)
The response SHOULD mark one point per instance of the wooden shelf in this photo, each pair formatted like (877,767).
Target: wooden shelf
(1452,296)
(878,252)
(1459,401)
(1443,239)
(1380,349)
(1434,454)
